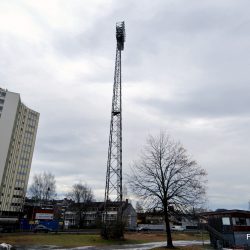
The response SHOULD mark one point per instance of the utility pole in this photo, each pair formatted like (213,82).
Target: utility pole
(113,189)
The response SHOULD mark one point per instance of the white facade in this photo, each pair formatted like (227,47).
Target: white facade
(18,128)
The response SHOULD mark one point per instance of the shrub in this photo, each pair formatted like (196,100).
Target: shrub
(112,230)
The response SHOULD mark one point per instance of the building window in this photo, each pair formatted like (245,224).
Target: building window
(226,221)
(240,221)
(15,204)
(17,196)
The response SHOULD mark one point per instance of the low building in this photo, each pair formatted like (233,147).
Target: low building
(185,221)
(155,221)
(228,228)
(49,213)
(83,214)
(92,213)
(69,214)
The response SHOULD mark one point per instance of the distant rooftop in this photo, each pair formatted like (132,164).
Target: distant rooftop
(226,211)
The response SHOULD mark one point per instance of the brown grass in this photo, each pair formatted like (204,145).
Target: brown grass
(150,237)
(74,240)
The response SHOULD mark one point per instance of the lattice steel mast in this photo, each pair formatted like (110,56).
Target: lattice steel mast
(113,189)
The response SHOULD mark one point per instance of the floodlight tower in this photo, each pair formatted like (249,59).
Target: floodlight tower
(113,189)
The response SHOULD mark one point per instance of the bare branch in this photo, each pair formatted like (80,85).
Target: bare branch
(165,176)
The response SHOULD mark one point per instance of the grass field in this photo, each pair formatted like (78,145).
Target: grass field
(74,240)
(63,240)
(150,237)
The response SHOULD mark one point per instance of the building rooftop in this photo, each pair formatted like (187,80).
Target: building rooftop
(226,212)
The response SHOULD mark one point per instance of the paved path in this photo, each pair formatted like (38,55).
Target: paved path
(145,246)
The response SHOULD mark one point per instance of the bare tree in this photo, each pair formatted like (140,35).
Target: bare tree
(82,195)
(43,187)
(166,178)
(125,192)
(139,207)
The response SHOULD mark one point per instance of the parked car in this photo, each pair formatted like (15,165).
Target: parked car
(7,229)
(42,228)
(177,228)
(142,229)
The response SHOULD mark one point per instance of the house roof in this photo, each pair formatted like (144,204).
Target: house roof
(221,212)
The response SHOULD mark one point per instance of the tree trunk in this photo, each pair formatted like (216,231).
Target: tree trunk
(80,216)
(168,231)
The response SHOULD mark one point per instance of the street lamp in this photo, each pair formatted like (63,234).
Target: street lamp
(47,195)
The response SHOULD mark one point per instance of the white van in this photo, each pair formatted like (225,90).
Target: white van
(177,228)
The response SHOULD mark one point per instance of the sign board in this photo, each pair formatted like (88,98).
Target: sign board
(44,216)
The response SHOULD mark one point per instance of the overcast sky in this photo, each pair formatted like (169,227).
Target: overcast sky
(185,70)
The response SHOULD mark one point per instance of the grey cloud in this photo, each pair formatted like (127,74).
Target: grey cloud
(208,102)
(196,51)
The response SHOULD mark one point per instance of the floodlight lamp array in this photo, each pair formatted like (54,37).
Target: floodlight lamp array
(120,35)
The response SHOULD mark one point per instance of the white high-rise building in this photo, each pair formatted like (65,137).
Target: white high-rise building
(18,128)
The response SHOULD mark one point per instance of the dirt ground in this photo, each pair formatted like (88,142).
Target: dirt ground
(150,237)
(145,237)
